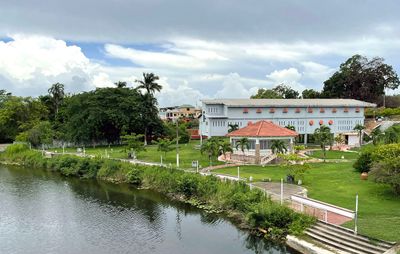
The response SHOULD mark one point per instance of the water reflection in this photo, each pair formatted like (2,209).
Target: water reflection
(43,212)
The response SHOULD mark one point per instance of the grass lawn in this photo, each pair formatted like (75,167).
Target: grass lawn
(338,183)
(334,155)
(187,153)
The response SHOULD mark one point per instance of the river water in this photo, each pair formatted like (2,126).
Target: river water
(43,212)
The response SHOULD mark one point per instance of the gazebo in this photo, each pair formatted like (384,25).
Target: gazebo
(260,136)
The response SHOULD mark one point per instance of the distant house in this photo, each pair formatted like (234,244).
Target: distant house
(341,115)
(176,112)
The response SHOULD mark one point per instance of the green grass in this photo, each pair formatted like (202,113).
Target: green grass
(334,155)
(187,154)
(338,184)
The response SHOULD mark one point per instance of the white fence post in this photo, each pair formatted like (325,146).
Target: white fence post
(356,216)
(281,191)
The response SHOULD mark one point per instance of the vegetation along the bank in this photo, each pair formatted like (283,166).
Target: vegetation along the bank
(250,207)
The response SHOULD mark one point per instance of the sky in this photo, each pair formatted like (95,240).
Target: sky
(199,49)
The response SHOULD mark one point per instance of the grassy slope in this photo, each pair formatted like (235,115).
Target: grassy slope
(337,183)
(187,153)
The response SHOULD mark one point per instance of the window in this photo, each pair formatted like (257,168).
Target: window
(334,110)
(298,110)
(258,111)
(309,110)
(321,110)
(245,110)
(285,110)
(271,110)
(346,110)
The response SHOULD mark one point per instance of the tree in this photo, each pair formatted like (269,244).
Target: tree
(376,135)
(279,92)
(133,142)
(233,127)
(40,134)
(148,109)
(362,79)
(391,136)
(149,83)
(210,147)
(243,143)
(339,140)
(359,128)
(121,84)
(323,136)
(165,145)
(278,146)
(56,92)
(310,94)
(290,127)
(225,147)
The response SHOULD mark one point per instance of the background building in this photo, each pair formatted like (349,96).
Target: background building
(341,115)
(184,111)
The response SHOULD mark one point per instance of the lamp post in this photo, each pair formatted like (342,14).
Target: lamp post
(177,144)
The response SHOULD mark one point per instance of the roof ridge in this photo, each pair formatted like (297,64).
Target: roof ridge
(259,127)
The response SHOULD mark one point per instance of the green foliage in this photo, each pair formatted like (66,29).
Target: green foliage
(233,127)
(40,133)
(165,145)
(362,79)
(311,94)
(371,112)
(134,142)
(364,161)
(387,171)
(324,137)
(278,146)
(279,92)
(16,149)
(211,147)
(243,144)
(183,134)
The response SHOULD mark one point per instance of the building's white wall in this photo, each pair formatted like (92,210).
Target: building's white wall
(353,140)
(211,125)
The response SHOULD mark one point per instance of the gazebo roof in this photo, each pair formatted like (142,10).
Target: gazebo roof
(263,129)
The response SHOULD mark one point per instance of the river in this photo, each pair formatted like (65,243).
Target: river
(43,212)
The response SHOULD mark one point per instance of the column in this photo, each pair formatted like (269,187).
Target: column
(257,153)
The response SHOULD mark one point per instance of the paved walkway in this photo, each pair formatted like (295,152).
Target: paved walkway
(274,189)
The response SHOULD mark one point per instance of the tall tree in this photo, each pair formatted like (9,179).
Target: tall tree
(359,128)
(279,92)
(323,136)
(211,148)
(165,145)
(56,92)
(149,109)
(225,147)
(149,83)
(362,79)
(310,94)
(121,84)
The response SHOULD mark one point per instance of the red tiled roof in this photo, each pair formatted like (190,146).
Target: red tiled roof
(263,129)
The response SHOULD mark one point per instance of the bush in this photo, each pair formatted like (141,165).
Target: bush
(363,162)
(16,149)
(387,171)
(135,176)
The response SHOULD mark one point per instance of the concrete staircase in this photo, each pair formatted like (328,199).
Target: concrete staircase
(267,159)
(343,240)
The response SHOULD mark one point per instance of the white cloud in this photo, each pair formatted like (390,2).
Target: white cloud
(317,72)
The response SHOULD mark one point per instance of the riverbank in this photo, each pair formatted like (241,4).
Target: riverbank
(249,208)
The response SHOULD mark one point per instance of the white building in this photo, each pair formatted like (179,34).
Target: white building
(341,115)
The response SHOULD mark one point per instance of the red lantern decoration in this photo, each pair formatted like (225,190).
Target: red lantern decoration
(245,110)
(330,122)
(285,110)
(271,110)
(321,122)
(311,122)
(298,110)
(258,111)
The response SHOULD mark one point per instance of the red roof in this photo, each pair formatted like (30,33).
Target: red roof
(263,129)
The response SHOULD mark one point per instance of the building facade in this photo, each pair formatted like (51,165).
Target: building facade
(341,115)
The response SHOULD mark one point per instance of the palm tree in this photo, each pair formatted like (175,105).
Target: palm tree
(323,136)
(376,135)
(151,86)
(243,143)
(278,146)
(290,127)
(224,148)
(211,148)
(120,84)
(359,128)
(233,127)
(56,92)
(149,83)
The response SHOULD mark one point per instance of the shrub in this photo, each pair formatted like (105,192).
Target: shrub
(16,149)
(387,171)
(363,162)
(135,176)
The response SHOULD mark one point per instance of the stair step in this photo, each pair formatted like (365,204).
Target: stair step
(333,244)
(344,242)
(350,233)
(351,238)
